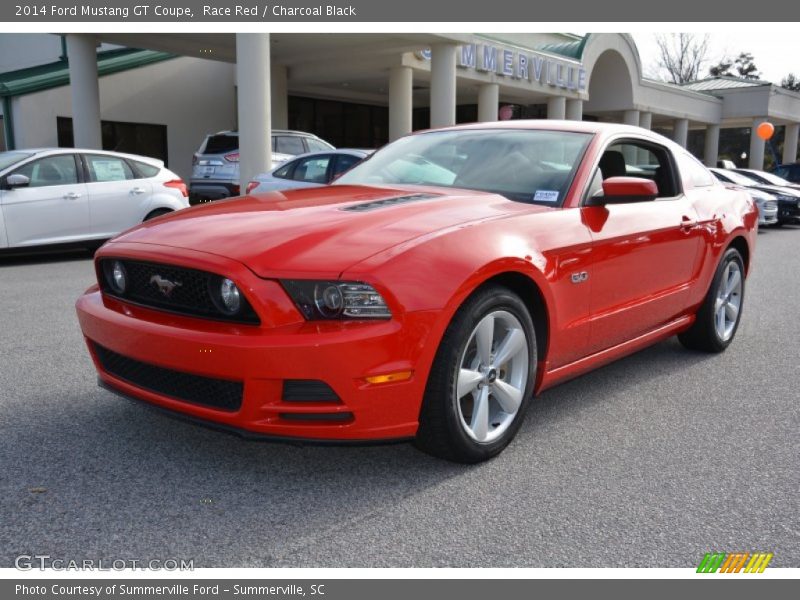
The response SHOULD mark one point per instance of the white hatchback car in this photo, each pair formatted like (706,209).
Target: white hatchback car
(68,196)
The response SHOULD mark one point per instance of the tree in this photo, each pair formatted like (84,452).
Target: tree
(682,55)
(791,82)
(743,66)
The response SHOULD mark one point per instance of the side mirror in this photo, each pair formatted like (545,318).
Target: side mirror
(17,180)
(624,190)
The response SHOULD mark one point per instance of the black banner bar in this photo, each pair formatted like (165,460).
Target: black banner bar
(336,11)
(731,588)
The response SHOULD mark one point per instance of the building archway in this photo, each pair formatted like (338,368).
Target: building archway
(613,73)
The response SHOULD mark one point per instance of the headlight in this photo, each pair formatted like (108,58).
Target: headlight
(336,299)
(225,295)
(116,276)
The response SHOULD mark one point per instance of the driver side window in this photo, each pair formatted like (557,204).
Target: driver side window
(633,158)
(50,171)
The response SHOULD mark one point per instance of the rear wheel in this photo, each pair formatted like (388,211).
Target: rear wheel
(719,315)
(157,213)
(482,379)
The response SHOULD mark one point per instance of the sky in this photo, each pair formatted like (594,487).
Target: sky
(774,55)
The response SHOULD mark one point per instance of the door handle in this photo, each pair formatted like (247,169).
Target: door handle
(71,196)
(137,190)
(688,223)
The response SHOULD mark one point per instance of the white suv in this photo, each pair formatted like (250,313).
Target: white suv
(59,196)
(215,165)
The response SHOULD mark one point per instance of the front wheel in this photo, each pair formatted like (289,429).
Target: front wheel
(482,379)
(718,318)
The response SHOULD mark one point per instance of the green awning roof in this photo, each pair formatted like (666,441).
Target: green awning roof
(572,49)
(56,74)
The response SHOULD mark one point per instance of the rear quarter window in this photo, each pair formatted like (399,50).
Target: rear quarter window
(693,173)
(144,170)
(315,145)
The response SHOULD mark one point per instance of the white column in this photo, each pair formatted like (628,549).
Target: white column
(488,102)
(401,106)
(790,143)
(756,158)
(574,109)
(631,117)
(279,93)
(646,122)
(556,107)
(443,85)
(680,132)
(85,89)
(252,75)
(711,145)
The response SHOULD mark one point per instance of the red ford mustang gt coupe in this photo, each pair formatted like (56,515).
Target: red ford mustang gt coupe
(430,292)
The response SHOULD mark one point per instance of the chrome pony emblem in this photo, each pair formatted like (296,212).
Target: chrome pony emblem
(165,286)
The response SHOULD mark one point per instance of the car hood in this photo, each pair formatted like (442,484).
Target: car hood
(778,190)
(321,231)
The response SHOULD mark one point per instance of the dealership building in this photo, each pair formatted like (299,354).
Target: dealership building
(160,94)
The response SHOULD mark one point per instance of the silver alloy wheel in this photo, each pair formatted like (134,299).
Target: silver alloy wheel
(729,301)
(492,376)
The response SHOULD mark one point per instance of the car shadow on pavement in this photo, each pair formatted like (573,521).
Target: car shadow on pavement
(10,259)
(111,478)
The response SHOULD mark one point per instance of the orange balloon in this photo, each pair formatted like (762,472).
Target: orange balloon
(765,130)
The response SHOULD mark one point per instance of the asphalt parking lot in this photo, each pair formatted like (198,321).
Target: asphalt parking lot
(649,462)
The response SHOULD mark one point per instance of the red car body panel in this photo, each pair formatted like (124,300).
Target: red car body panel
(648,266)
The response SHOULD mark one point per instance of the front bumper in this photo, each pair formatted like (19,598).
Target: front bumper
(788,210)
(263,358)
(767,215)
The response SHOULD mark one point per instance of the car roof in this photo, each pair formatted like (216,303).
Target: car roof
(553,125)
(601,130)
(274,131)
(51,151)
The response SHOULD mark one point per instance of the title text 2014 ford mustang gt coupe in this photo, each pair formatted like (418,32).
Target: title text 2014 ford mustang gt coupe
(430,292)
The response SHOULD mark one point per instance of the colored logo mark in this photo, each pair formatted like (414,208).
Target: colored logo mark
(744,562)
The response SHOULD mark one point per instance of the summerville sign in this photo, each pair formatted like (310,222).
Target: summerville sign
(541,69)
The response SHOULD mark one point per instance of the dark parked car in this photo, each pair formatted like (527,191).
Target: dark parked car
(788,198)
(789,171)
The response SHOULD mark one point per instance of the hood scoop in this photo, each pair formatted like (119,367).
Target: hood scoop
(376,204)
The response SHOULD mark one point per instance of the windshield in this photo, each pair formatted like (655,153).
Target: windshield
(11,158)
(736,178)
(524,165)
(763,177)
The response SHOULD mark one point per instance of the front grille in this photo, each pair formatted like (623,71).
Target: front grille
(175,289)
(771,205)
(339,417)
(221,394)
(308,390)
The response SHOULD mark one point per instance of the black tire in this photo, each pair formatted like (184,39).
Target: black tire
(157,213)
(703,335)
(441,432)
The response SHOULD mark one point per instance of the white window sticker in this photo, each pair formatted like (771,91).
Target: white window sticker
(545,196)
(108,170)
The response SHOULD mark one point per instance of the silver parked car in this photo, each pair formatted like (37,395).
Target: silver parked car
(788,198)
(54,196)
(308,170)
(767,178)
(215,165)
